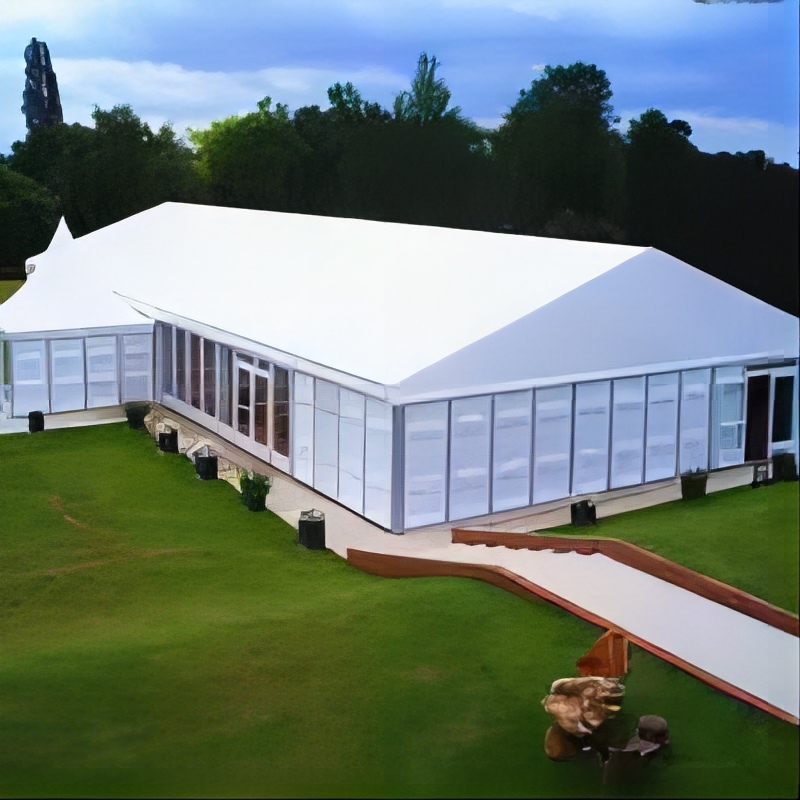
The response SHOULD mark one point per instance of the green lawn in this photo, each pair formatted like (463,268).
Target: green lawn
(159,640)
(7,288)
(745,537)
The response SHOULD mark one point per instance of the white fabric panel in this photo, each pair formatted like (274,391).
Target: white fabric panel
(67,392)
(727,423)
(378,463)
(470,430)
(326,438)
(552,443)
(511,470)
(662,426)
(590,467)
(225,390)
(351,449)
(695,398)
(425,463)
(627,433)
(101,370)
(137,361)
(29,375)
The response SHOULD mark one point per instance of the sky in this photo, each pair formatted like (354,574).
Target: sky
(727,67)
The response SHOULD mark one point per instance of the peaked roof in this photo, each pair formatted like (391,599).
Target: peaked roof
(401,305)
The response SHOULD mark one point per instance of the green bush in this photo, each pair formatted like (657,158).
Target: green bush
(255,489)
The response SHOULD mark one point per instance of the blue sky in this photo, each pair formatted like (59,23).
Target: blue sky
(728,68)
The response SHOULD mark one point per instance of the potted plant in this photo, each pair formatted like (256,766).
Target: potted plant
(255,489)
(693,483)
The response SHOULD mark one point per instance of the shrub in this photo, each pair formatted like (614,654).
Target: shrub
(255,489)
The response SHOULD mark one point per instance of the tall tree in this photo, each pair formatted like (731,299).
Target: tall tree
(428,98)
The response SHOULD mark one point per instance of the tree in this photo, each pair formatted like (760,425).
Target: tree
(253,161)
(28,217)
(429,96)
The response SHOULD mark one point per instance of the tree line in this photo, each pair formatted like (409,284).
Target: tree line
(557,166)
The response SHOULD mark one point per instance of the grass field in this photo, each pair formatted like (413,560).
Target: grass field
(159,640)
(7,288)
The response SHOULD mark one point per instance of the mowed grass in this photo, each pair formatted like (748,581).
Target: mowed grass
(159,640)
(7,288)
(744,537)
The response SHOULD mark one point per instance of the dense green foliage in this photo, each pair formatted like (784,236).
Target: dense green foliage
(557,166)
(161,641)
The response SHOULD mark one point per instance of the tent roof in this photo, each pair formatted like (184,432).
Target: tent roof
(380,301)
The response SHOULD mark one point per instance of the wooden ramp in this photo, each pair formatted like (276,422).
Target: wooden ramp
(700,636)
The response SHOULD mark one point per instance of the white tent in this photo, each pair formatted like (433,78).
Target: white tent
(415,374)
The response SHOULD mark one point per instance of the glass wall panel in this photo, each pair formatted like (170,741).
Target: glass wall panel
(552,443)
(425,463)
(326,438)
(180,364)
(281,412)
(67,390)
(243,401)
(470,441)
(137,360)
(166,359)
(29,373)
(101,371)
(303,429)
(260,410)
(590,467)
(662,427)
(195,369)
(627,433)
(727,424)
(209,377)
(225,389)
(695,398)
(511,471)
(782,406)
(351,449)
(378,463)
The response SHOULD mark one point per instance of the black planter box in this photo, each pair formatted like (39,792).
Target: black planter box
(206,467)
(311,530)
(693,485)
(168,442)
(784,467)
(136,415)
(35,421)
(583,513)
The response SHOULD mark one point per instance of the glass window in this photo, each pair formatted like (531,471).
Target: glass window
(627,433)
(209,377)
(101,370)
(225,372)
(281,412)
(180,363)
(244,402)
(137,359)
(552,443)
(590,467)
(470,431)
(425,463)
(378,462)
(166,360)
(29,372)
(695,399)
(728,417)
(260,411)
(196,367)
(326,438)
(511,471)
(782,408)
(303,429)
(67,392)
(351,449)
(662,426)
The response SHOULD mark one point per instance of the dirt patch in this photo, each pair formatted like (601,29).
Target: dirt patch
(103,562)
(58,505)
